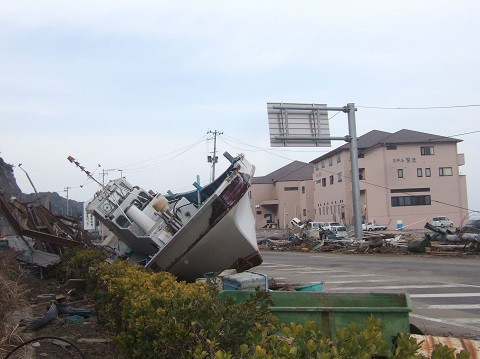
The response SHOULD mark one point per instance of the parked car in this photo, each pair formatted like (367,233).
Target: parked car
(441,222)
(329,225)
(313,228)
(340,231)
(373,226)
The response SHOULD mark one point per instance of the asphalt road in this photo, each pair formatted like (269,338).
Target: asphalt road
(445,292)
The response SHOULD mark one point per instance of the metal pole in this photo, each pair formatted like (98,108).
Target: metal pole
(29,179)
(352,131)
(214,158)
(66,190)
(214,154)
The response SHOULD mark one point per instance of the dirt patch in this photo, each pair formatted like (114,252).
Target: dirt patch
(19,286)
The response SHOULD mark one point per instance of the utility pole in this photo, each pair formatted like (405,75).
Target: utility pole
(105,172)
(29,179)
(66,190)
(214,159)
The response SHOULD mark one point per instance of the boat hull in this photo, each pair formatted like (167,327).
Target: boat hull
(202,246)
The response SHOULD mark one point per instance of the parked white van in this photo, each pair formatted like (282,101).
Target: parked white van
(442,222)
(313,228)
(330,225)
(340,231)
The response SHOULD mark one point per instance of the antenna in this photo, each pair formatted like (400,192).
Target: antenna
(89,175)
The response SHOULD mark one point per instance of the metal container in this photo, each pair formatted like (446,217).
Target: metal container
(338,310)
(242,281)
(314,287)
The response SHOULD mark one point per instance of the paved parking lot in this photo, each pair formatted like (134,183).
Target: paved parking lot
(445,292)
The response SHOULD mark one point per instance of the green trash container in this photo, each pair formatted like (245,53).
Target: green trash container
(338,310)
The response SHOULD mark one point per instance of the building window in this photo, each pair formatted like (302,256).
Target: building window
(339,158)
(290,188)
(391,147)
(428,172)
(316,166)
(400,173)
(250,194)
(340,179)
(419,172)
(426,151)
(323,164)
(445,171)
(259,212)
(361,155)
(410,190)
(324,182)
(330,161)
(304,212)
(361,173)
(331,179)
(411,201)
(303,189)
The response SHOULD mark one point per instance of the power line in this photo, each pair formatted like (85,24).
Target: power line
(159,164)
(162,155)
(463,134)
(418,108)
(366,182)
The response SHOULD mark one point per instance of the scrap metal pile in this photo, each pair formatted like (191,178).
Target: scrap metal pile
(42,231)
(442,242)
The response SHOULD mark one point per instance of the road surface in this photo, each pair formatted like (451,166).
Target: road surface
(445,292)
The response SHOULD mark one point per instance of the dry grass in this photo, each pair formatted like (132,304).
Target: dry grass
(13,297)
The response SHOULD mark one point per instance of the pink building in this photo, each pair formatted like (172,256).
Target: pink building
(283,194)
(406,177)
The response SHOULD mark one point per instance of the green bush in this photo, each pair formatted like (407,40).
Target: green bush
(76,262)
(157,317)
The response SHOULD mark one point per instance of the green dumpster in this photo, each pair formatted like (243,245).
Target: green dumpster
(338,310)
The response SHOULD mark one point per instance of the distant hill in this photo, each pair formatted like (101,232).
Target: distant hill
(57,203)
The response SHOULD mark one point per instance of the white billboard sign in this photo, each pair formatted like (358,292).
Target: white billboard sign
(298,125)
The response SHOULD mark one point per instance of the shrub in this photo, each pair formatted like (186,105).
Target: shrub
(156,316)
(76,262)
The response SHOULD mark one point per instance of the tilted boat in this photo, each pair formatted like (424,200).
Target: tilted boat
(209,229)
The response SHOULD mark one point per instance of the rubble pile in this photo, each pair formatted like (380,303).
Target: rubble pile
(394,242)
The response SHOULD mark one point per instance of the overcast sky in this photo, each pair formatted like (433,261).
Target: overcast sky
(126,84)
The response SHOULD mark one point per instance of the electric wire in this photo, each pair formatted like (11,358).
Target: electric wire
(364,181)
(164,154)
(417,108)
(159,164)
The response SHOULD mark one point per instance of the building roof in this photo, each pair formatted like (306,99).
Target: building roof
(377,138)
(295,171)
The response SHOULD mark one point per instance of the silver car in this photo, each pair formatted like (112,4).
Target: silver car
(442,222)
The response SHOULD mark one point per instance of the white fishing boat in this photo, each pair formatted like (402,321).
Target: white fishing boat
(209,229)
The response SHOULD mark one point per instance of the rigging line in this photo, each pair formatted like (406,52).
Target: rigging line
(163,155)
(161,163)
(261,149)
(418,108)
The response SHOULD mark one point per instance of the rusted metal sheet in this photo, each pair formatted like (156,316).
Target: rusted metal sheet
(37,222)
(428,343)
